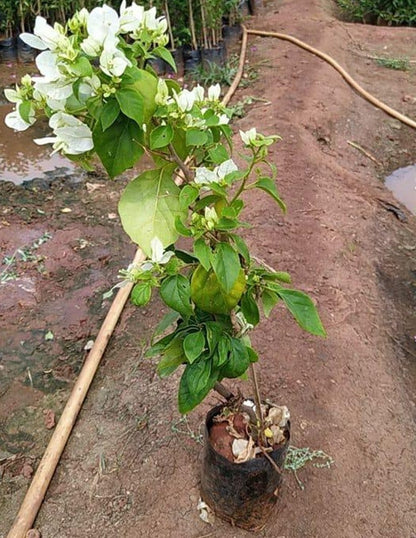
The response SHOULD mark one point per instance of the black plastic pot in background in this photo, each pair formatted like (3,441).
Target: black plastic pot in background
(8,49)
(216,55)
(255,6)
(178,57)
(242,493)
(25,53)
(191,59)
(232,35)
(158,65)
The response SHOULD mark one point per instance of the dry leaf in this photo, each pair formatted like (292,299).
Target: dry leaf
(205,512)
(243,450)
(49,419)
(27,470)
(91,187)
(66,210)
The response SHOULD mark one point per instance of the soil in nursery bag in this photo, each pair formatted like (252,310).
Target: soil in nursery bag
(238,482)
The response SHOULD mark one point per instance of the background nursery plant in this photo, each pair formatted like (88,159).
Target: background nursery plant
(102,98)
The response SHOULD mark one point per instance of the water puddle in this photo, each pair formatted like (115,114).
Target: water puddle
(23,160)
(402,183)
(20,158)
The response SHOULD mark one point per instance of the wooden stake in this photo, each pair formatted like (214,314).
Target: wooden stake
(37,490)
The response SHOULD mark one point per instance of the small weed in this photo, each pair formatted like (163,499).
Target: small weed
(212,73)
(239,109)
(22,254)
(183,421)
(298,457)
(400,64)
(206,75)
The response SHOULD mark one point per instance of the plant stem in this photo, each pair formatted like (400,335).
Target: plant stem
(185,170)
(221,389)
(259,412)
(243,184)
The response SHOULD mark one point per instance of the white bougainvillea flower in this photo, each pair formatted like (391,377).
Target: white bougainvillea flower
(214,92)
(204,176)
(57,90)
(223,119)
(15,121)
(211,217)
(45,36)
(131,18)
(102,22)
(72,137)
(47,63)
(12,95)
(113,62)
(151,22)
(225,168)
(162,95)
(248,136)
(102,26)
(198,92)
(88,88)
(158,254)
(185,100)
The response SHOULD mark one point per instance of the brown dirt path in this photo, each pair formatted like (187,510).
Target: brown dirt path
(128,472)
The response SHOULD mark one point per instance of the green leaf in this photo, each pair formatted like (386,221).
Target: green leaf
(187,196)
(226,265)
(172,358)
(195,137)
(250,309)
(267,185)
(203,253)
(214,333)
(81,67)
(282,276)
(24,110)
(119,147)
(242,247)
(196,381)
(109,113)
(269,300)
(131,104)
(94,107)
(167,320)
(181,228)
(194,345)
(161,136)
(238,360)
(141,293)
(223,349)
(138,89)
(252,355)
(303,310)
(207,200)
(148,208)
(176,293)
(166,56)
(218,154)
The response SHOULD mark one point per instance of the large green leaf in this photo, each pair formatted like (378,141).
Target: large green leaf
(238,360)
(266,184)
(172,358)
(141,293)
(176,293)
(303,310)
(203,252)
(196,381)
(137,95)
(226,265)
(120,146)
(148,208)
(194,345)
(161,136)
(109,113)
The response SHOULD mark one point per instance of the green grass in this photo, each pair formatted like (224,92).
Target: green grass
(400,64)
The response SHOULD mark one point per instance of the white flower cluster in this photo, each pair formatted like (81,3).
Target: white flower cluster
(66,68)
(205,176)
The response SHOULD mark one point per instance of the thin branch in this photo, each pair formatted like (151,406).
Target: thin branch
(259,411)
(222,389)
(185,170)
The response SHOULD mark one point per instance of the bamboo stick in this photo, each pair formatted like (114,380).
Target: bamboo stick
(47,466)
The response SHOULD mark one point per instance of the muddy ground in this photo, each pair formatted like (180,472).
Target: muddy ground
(131,466)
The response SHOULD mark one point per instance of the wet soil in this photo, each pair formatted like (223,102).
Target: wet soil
(131,468)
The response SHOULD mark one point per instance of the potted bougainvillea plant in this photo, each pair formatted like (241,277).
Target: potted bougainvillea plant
(102,98)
